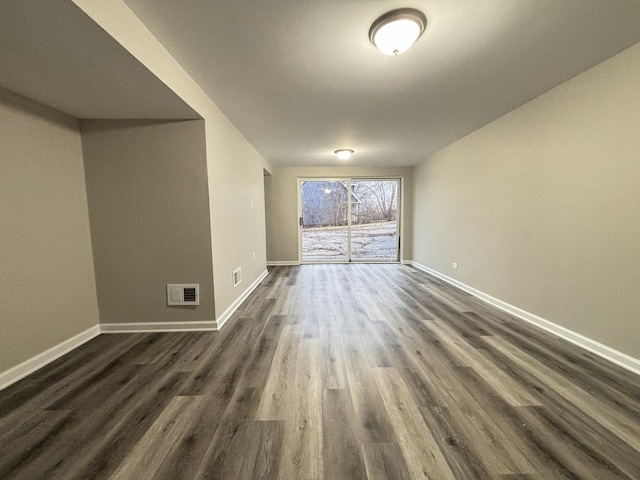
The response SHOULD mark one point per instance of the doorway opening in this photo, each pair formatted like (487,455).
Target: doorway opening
(349,220)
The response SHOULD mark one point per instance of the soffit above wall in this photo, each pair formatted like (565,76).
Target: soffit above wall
(53,53)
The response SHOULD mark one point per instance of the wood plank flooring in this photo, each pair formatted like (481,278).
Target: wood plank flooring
(338,372)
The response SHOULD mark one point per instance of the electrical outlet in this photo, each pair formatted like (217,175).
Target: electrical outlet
(254,255)
(251,204)
(237,276)
(454,265)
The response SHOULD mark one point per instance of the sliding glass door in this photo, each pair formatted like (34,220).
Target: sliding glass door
(349,220)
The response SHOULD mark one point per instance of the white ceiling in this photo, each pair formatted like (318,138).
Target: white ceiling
(300,78)
(51,52)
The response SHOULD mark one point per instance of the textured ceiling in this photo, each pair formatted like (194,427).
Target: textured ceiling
(300,78)
(51,52)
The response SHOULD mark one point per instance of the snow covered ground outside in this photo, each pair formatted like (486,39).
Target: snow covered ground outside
(377,241)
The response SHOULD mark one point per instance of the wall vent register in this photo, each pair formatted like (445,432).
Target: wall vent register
(183,294)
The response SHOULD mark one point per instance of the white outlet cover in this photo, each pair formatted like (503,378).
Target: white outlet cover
(454,265)
(237,276)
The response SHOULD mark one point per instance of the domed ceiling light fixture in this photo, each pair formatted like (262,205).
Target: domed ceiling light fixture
(395,31)
(344,153)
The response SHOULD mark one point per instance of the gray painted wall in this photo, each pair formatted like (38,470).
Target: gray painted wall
(149,211)
(234,167)
(541,208)
(46,266)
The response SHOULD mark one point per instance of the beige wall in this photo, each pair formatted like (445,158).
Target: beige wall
(541,208)
(236,183)
(234,167)
(149,212)
(282,204)
(46,267)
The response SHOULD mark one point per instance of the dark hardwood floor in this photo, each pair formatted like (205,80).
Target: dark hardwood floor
(329,372)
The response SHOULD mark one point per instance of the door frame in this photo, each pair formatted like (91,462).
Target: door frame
(348,180)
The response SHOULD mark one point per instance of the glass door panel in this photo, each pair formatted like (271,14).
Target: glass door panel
(374,220)
(324,220)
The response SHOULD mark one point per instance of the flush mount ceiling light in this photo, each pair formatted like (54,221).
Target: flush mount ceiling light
(395,31)
(344,153)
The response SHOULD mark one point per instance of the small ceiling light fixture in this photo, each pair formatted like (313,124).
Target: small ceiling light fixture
(395,31)
(344,153)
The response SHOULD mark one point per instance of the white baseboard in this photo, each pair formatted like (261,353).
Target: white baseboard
(283,264)
(234,306)
(29,366)
(203,326)
(626,361)
(146,327)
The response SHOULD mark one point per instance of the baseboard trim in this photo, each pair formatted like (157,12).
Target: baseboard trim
(234,306)
(283,264)
(622,359)
(150,327)
(27,367)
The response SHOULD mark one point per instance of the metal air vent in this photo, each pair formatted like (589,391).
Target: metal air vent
(183,294)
